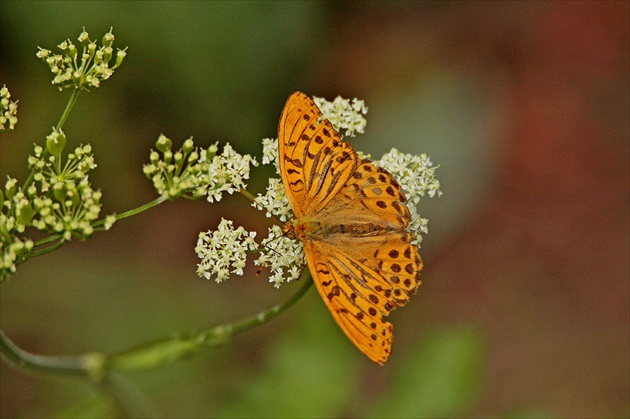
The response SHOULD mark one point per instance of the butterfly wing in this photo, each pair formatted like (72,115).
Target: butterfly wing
(361,279)
(314,163)
(371,196)
(362,261)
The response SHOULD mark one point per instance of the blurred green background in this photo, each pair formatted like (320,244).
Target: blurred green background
(524,309)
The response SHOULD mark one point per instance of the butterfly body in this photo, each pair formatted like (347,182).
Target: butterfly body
(309,229)
(351,217)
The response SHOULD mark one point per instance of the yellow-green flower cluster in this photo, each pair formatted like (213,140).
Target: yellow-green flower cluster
(58,199)
(8,110)
(12,247)
(83,69)
(182,172)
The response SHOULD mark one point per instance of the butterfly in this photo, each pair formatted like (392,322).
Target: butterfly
(351,216)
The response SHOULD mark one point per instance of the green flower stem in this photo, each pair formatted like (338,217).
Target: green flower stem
(134,211)
(62,120)
(247,195)
(58,237)
(48,249)
(70,365)
(168,350)
(69,106)
(97,367)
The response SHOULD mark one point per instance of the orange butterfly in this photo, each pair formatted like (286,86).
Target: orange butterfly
(351,217)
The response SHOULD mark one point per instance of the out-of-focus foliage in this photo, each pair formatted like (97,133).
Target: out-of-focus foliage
(439,377)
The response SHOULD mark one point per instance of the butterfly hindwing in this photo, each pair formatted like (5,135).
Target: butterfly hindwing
(361,279)
(361,320)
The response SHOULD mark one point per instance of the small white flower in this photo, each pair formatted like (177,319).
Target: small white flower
(224,251)
(346,116)
(228,172)
(274,201)
(270,152)
(285,257)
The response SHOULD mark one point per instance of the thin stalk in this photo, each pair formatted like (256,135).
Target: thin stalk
(48,249)
(64,116)
(98,223)
(98,367)
(166,351)
(69,106)
(247,195)
(134,211)
(20,359)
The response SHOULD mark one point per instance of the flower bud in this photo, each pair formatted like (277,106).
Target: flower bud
(188,146)
(25,214)
(107,53)
(163,144)
(84,38)
(108,38)
(55,142)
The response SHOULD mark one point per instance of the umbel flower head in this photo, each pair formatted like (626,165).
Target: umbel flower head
(193,172)
(84,69)
(222,252)
(59,200)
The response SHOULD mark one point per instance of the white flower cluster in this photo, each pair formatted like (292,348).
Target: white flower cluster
(224,251)
(416,174)
(8,110)
(228,172)
(346,116)
(270,152)
(58,200)
(274,201)
(285,257)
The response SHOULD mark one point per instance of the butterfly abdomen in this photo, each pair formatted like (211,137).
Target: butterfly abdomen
(358,230)
(305,229)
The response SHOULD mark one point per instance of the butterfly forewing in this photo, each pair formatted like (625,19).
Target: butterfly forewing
(314,162)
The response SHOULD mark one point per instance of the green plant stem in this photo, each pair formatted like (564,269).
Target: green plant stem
(247,195)
(134,211)
(64,116)
(70,365)
(97,366)
(58,237)
(48,249)
(69,106)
